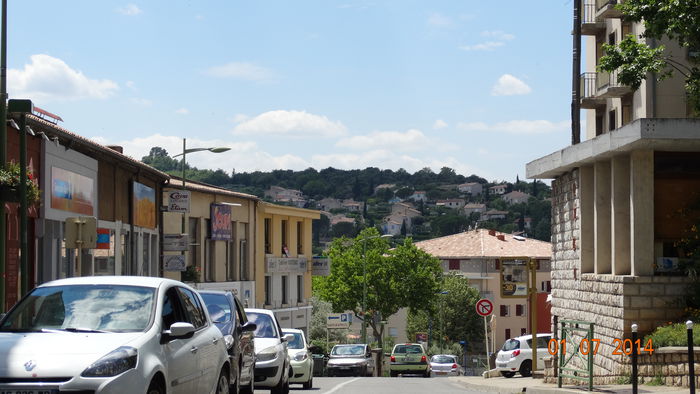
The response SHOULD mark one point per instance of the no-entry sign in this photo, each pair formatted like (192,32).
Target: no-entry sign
(484,307)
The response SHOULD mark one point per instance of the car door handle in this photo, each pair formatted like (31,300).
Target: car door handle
(215,341)
(194,349)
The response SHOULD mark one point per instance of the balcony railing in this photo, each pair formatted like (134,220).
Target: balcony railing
(606,9)
(589,91)
(597,86)
(590,23)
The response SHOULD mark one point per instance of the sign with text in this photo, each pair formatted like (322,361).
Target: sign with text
(179,201)
(175,242)
(220,222)
(174,262)
(285,264)
(338,320)
(321,266)
(514,277)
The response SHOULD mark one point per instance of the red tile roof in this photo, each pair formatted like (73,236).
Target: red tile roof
(480,244)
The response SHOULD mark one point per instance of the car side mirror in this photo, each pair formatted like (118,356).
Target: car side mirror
(178,330)
(288,337)
(249,326)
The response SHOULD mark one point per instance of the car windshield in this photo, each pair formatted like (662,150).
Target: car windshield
(297,342)
(348,350)
(511,344)
(408,349)
(83,308)
(265,325)
(441,359)
(218,307)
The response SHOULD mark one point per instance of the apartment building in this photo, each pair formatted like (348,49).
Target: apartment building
(615,198)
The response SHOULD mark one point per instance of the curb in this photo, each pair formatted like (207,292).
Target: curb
(550,390)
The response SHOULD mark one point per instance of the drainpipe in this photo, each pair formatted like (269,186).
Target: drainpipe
(575,77)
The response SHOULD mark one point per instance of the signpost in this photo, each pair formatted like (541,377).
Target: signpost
(337,320)
(179,201)
(484,308)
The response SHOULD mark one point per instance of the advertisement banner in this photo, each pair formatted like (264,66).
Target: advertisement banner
(179,201)
(72,192)
(174,262)
(514,277)
(144,198)
(220,222)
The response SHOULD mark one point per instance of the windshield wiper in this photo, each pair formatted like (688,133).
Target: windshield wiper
(71,329)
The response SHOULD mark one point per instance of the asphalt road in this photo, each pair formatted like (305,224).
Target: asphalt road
(400,385)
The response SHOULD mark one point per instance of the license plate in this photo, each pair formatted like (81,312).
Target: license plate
(27,391)
(441,373)
(344,367)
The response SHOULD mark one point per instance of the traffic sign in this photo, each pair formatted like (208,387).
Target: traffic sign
(338,320)
(484,307)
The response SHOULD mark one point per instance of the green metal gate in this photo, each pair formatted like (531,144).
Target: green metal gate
(566,370)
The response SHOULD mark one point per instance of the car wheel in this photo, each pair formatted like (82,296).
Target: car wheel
(426,374)
(308,385)
(155,387)
(507,374)
(526,368)
(222,384)
(282,387)
(393,374)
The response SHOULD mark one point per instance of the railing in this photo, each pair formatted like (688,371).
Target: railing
(589,11)
(589,87)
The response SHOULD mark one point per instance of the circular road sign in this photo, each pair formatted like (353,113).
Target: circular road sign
(484,307)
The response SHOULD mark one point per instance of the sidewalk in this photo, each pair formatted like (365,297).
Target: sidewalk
(518,384)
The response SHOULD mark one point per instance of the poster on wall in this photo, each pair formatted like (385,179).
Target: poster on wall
(220,222)
(514,277)
(72,192)
(144,206)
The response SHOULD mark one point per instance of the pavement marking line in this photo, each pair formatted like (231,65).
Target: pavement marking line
(334,389)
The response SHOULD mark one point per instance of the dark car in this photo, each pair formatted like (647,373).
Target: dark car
(229,316)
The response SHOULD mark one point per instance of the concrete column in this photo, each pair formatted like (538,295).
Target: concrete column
(620,169)
(642,212)
(602,208)
(587,215)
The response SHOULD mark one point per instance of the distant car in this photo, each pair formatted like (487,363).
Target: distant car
(112,334)
(409,358)
(444,365)
(302,363)
(516,355)
(350,359)
(272,364)
(229,316)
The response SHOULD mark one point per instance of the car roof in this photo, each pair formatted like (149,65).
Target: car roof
(292,330)
(144,281)
(222,292)
(529,336)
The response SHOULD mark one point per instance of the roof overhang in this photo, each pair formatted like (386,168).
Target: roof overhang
(670,135)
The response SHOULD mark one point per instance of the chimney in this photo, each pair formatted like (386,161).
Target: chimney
(501,237)
(492,233)
(117,148)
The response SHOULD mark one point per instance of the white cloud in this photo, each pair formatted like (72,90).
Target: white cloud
(182,111)
(498,35)
(411,140)
(484,46)
(440,124)
(48,78)
(439,20)
(130,10)
(495,39)
(141,101)
(238,118)
(131,85)
(241,70)
(509,85)
(518,126)
(199,17)
(296,124)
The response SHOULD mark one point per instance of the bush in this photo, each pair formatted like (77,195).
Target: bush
(673,335)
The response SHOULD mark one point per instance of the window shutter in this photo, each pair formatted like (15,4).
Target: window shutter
(518,310)
(507,333)
(504,311)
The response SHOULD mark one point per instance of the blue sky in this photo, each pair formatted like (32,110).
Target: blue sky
(482,87)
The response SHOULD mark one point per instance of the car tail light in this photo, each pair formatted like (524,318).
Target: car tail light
(454,366)
(516,353)
(393,359)
(423,359)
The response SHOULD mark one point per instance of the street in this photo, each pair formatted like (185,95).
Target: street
(384,385)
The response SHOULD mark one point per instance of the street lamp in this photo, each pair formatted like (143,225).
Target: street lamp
(364,283)
(185,151)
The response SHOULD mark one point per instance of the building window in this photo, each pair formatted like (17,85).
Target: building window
(547,285)
(285,289)
(523,331)
(507,333)
(300,237)
(268,236)
(300,288)
(268,290)
(192,249)
(598,123)
(519,309)
(393,332)
(243,260)
(505,310)
(231,261)
(612,120)
(454,265)
(210,260)
(285,239)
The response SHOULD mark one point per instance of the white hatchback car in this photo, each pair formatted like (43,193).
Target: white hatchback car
(119,334)
(516,355)
(272,368)
(302,363)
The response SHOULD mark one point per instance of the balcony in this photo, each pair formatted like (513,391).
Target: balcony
(589,92)
(591,25)
(605,9)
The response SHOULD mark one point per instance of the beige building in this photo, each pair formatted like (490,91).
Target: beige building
(615,198)
(283,262)
(477,256)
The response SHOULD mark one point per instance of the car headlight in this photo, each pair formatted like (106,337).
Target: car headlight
(301,356)
(113,363)
(267,354)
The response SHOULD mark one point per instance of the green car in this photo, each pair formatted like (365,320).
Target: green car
(409,358)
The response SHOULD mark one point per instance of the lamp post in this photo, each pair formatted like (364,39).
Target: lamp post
(442,320)
(185,151)
(364,283)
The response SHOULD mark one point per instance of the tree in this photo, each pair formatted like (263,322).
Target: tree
(672,19)
(401,277)
(317,325)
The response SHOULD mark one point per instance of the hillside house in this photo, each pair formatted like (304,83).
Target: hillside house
(418,196)
(471,188)
(455,203)
(493,214)
(515,197)
(498,190)
(474,207)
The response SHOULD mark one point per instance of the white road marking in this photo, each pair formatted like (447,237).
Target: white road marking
(338,387)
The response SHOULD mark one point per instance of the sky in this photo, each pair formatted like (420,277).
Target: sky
(482,87)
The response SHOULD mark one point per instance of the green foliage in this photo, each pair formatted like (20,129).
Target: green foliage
(657,380)
(317,325)
(673,19)
(10,178)
(191,274)
(449,223)
(672,335)
(402,277)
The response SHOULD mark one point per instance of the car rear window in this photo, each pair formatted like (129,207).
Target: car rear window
(409,349)
(511,344)
(443,359)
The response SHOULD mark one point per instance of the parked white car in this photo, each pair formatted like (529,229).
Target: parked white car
(302,363)
(516,355)
(118,334)
(272,365)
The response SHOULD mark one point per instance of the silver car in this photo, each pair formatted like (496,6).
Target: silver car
(272,364)
(355,360)
(444,365)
